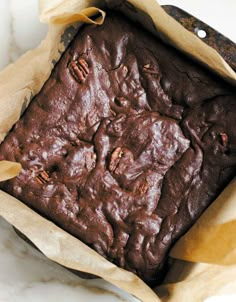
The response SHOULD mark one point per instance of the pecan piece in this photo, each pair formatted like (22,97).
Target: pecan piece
(147,69)
(121,102)
(142,188)
(79,70)
(115,158)
(121,159)
(42,178)
(224,139)
(90,161)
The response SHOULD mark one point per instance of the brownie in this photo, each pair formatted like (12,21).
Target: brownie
(126,144)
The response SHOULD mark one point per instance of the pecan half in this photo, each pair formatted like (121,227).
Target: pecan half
(79,70)
(42,178)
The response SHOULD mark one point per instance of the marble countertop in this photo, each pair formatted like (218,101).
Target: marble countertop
(25,274)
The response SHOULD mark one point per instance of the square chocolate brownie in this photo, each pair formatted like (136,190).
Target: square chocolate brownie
(126,144)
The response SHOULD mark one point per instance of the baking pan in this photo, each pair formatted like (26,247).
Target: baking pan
(224,46)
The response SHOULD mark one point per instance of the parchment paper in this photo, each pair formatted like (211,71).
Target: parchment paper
(8,170)
(212,239)
(26,77)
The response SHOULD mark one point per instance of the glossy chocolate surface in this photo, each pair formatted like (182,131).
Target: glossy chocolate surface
(126,144)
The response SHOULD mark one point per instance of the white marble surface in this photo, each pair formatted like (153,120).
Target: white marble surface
(26,275)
